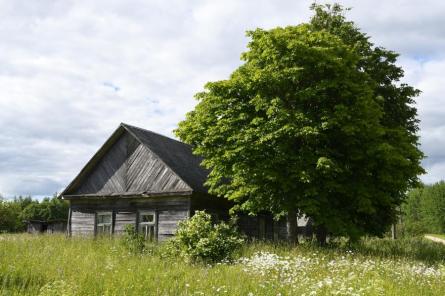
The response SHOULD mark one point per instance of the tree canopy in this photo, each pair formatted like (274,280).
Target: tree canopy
(315,120)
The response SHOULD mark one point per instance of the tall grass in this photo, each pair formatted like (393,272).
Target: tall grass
(56,265)
(414,248)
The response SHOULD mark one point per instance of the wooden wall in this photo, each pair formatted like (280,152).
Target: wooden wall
(34,227)
(82,222)
(56,227)
(123,218)
(169,211)
(263,226)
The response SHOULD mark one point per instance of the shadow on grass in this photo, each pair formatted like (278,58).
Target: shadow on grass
(414,248)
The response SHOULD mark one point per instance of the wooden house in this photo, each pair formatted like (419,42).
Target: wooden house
(150,181)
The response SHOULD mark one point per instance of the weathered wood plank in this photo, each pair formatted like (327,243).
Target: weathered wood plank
(122,219)
(82,223)
(146,172)
(159,203)
(168,221)
(109,175)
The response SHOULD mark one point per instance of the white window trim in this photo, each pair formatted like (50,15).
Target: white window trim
(153,223)
(102,213)
(141,213)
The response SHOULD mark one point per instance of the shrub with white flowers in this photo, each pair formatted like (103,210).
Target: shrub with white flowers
(198,239)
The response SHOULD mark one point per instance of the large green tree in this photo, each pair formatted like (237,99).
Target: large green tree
(314,121)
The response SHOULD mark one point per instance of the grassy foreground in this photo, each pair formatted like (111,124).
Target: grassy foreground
(55,265)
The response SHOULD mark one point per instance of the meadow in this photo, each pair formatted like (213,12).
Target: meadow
(56,265)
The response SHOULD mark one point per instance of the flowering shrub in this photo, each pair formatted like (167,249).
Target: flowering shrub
(198,239)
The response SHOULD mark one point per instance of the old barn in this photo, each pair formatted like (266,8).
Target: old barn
(148,180)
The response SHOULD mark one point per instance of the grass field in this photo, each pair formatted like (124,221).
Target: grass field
(55,265)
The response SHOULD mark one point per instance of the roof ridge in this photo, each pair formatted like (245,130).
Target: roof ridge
(152,132)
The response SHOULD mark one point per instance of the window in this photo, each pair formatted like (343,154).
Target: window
(147,225)
(103,222)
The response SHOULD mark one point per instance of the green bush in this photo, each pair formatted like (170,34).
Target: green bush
(133,241)
(199,240)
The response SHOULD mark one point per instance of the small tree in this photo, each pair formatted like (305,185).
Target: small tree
(198,239)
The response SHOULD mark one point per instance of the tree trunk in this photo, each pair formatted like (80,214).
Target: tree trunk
(292,226)
(321,234)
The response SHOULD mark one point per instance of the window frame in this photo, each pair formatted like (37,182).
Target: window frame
(154,223)
(98,225)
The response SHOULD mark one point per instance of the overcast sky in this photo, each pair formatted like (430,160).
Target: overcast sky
(71,71)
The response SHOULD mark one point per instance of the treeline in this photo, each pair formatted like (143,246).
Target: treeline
(14,213)
(424,210)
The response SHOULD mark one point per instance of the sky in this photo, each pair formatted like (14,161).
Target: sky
(71,71)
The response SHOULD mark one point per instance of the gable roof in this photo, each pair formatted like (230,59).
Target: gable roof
(174,155)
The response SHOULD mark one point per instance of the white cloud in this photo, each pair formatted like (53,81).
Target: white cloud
(72,70)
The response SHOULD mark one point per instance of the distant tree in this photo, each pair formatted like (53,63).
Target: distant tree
(13,213)
(10,216)
(24,201)
(413,222)
(48,209)
(315,121)
(424,210)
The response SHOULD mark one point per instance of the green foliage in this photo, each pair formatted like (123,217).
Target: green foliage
(14,212)
(424,210)
(10,217)
(198,239)
(314,119)
(46,210)
(133,241)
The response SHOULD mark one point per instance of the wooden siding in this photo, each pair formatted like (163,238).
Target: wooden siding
(129,166)
(82,222)
(169,210)
(123,218)
(109,174)
(168,222)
